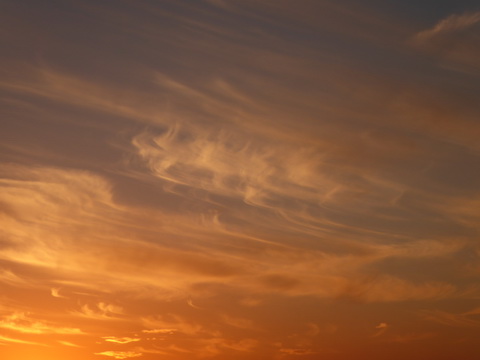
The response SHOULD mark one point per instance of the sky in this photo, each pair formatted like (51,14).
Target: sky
(239,179)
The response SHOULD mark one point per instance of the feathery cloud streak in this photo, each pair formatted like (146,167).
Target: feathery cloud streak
(238,179)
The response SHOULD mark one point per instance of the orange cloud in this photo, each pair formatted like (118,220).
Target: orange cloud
(122,340)
(68,343)
(120,354)
(159,331)
(287,167)
(56,293)
(381,329)
(450,319)
(20,322)
(18,341)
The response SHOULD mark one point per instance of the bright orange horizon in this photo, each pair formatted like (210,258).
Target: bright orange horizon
(239,179)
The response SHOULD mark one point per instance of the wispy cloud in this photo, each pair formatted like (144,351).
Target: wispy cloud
(18,341)
(159,331)
(411,337)
(450,24)
(120,354)
(387,288)
(100,311)
(22,323)
(239,322)
(171,324)
(298,170)
(381,329)
(453,41)
(120,340)
(68,343)
(297,351)
(10,278)
(450,319)
(56,293)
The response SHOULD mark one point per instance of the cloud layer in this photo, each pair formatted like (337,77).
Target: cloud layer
(239,179)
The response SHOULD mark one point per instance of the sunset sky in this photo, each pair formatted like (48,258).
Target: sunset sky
(239,179)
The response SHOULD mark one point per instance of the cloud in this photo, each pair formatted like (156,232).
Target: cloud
(56,293)
(68,343)
(453,40)
(130,235)
(238,322)
(120,354)
(232,164)
(101,311)
(48,83)
(191,304)
(453,23)
(279,281)
(423,248)
(246,345)
(250,301)
(20,322)
(450,319)
(216,345)
(269,160)
(120,340)
(297,351)
(475,311)
(387,289)
(159,331)
(204,338)
(10,278)
(381,329)
(4,339)
(42,200)
(412,337)
(44,195)
(154,350)
(171,324)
